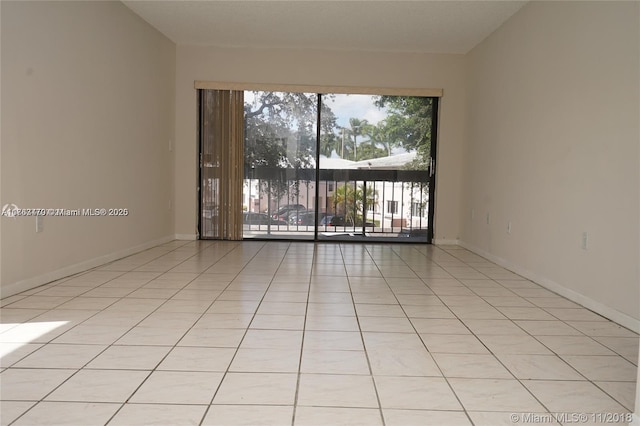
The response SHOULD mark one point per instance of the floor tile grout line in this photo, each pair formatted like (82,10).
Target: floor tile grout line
(136,324)
(586,379)
(95,269)
(366,352)
(82,368)
(100,310)
(446,379)
(540,287)
(175,345)
(246,330)
(224,374)
(108,346)
(541,308)
(535,337)
(304,330)
(507,369)
(610,394)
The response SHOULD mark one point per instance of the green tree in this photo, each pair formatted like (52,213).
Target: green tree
(409,124)
(357,127)
(378,137)
(279,130)
(349,200)
(329,141)
(280,134)
(369,151)
(344,147)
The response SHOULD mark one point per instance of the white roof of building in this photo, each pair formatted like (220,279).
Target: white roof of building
(336,163)
(391,162)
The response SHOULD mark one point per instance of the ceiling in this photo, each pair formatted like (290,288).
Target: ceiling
(405,26)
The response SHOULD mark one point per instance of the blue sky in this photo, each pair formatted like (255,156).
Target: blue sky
(356,106)
(346,107)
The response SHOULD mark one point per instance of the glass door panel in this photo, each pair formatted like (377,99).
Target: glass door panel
(375,167)
(318,167)
(279,165)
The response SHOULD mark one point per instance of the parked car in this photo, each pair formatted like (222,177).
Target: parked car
(413,233)
(285,211)
(306,218)
(340,221)
(326,220)
(301,218)
(260,219)
(288,215)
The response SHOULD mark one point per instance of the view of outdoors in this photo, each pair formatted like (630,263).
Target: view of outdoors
(368,177)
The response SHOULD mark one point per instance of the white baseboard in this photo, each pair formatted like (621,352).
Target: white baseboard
(597,307)
(30,283)
(444,242)
(187,237)
(636,420)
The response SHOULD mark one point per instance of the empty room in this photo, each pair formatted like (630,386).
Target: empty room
(319,212)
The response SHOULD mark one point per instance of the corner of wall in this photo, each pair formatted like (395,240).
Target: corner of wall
(186,237)
(530,162)
(445,242)
(79,144)
(597,307)
(33,282)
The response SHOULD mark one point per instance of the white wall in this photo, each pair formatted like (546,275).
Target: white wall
(636,415)
(317,67)
(553,147)
(87,115)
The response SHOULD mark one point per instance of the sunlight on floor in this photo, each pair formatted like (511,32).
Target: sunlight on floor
(28,332)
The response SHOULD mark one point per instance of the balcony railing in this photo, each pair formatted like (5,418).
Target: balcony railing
(281,202)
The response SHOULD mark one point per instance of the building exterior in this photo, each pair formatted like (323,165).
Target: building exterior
(397,205)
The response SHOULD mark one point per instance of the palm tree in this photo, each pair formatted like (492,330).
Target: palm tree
(379,136)
(350,199)
(358,127)
(328,143)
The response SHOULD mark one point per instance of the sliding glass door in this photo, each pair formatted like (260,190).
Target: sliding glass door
(279,165)
(376,168)
(333,167)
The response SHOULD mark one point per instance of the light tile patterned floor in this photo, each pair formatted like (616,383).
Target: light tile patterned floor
(279,333)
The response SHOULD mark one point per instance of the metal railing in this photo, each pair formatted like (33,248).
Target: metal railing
(385,203)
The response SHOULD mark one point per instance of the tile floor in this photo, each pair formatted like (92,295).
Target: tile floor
(278,333)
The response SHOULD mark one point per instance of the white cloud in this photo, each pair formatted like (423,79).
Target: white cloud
(346,107)
(355,106)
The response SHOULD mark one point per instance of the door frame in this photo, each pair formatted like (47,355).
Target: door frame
(432,170)
(434,94)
